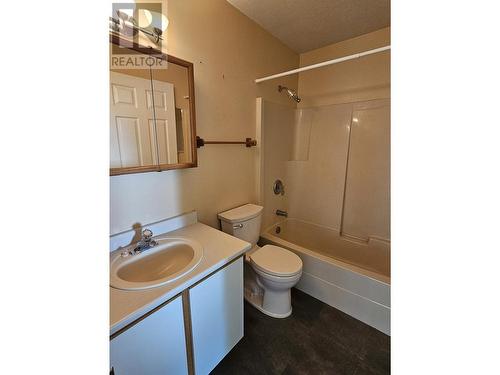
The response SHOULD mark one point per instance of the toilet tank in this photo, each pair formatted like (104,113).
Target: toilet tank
(243,222)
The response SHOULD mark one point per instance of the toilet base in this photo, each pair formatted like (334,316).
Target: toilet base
(257,299)
(278,303)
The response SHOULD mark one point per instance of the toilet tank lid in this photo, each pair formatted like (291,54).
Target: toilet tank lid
(242,213)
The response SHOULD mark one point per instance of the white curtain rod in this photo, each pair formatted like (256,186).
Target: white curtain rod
(324,63)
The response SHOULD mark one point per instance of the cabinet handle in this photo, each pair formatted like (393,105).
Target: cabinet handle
(112,372)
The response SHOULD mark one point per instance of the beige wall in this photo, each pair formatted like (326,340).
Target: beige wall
(361,79)
(228,51)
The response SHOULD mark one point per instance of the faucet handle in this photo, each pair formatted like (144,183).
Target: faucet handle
(147,234)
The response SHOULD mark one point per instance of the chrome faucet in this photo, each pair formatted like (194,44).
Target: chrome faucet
(281,213)
(146,241)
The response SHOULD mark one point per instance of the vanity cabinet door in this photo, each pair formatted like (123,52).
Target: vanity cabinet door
(216,316)
(154,346)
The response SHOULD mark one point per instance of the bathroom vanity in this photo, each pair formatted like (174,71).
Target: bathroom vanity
(188,325)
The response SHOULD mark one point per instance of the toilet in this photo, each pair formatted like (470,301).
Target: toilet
(270,271)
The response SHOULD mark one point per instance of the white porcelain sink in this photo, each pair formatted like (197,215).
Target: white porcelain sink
(169,260)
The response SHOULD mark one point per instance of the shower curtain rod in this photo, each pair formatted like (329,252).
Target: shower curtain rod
(324,63)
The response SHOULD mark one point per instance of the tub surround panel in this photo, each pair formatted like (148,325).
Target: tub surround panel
(301,135)
(334,162)
(276,134)
(316,185)
(219,249)
(367,194)
(343,138)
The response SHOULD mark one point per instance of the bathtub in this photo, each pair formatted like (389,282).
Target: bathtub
(350,275)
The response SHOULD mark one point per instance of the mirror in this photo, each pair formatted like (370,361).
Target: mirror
(172,102)
(152,113)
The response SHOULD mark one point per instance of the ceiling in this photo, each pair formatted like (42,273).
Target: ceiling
(304,25)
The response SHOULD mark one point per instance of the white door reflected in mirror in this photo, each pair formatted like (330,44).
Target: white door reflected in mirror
(132,133)
(164,107)
(152,125)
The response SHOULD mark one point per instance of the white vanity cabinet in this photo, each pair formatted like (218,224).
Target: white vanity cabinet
(155,345)
(216,307)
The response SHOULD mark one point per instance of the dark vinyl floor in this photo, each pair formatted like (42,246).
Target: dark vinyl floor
(315,339)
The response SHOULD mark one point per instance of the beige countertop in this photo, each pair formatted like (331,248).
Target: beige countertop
(219,249)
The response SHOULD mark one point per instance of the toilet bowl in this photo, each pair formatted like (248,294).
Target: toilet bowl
(270,271)
(277,270)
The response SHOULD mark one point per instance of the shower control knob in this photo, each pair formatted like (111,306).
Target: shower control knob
(278,187)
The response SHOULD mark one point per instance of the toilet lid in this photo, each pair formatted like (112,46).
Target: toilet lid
(276,261)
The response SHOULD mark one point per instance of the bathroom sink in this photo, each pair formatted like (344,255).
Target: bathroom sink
(169,260)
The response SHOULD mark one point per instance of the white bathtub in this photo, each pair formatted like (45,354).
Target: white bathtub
(349,275)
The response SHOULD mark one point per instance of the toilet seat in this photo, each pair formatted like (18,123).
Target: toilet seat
(276,261)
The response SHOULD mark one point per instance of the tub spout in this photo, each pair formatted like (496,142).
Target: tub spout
(281,213)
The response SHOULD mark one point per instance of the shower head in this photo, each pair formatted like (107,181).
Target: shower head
(291,94)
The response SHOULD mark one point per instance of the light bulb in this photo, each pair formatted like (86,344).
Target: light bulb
(150,19)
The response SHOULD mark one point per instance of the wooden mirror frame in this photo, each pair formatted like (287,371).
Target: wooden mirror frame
(115,39)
